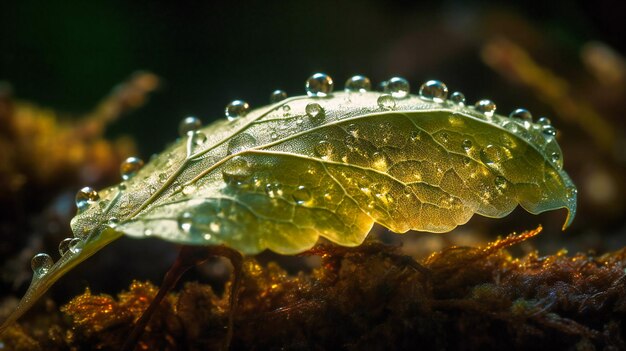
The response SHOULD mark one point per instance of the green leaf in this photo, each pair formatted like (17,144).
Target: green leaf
(279,177)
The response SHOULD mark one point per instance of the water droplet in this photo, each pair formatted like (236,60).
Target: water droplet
(64,246)
(278,95)
(500,182)
(76,245)
(85,197)
(319,85)
(458,98)
(237,171)
(491,155)
(121,186)
(398,87)
(130,167)
(185,221)
(240,142)
(301,195)
(286,109)
(522,114)
(386,102)
(324,149)
(189,124)
(544,121)
(113,222)
(358,84)
(487,107)
(555,157)
(466,144)
(434,90)
(274,190)
(549,130)
(41,263)
(314,111)
(236,109)
(162,177)
(199,138)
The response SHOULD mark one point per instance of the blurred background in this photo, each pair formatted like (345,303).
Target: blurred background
(95,81)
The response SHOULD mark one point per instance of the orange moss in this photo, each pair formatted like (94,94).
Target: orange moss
(371,297)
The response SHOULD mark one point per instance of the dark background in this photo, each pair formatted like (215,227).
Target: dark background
(68,55)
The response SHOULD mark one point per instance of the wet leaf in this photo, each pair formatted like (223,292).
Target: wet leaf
(285,174)
(280,176)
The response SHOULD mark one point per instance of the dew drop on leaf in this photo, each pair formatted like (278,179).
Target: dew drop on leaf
(544,121)
(549,130)
(130,167)
(522,114)
(386,102)
(41,264)
(241,142)
(315,112)
(199,138)
(64,246)
(491,155)
(76,245)
(458,98)
(189,124)
(398,87)
(85,197)
(319,85)
(434,90)
(301,195)
(113,222)
(236,109)
(277,96)
(358,84)
(237,171)
(486,107)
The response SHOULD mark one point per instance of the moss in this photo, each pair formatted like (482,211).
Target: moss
(369,297)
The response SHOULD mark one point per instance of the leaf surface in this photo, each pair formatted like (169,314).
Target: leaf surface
(279,178)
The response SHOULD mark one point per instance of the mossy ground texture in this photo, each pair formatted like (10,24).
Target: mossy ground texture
(369,297)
